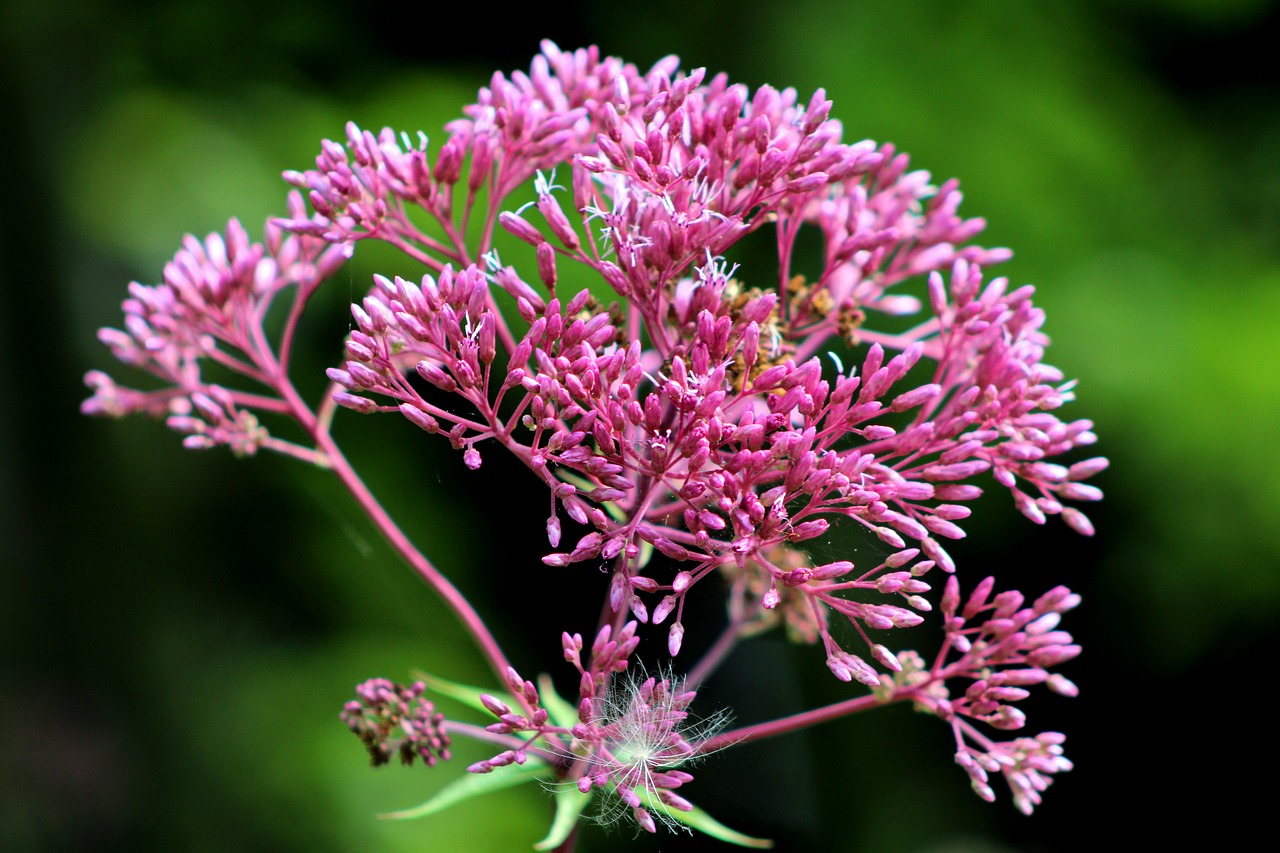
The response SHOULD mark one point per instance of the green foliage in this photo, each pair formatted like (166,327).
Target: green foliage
(470,785)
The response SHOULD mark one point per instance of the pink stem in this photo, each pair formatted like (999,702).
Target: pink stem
(451,595)
(455,600)
(714,656)
(795,722)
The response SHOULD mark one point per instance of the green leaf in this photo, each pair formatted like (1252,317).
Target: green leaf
(469,696)
(569,805)
(475,785)
(561,712)
(703,822)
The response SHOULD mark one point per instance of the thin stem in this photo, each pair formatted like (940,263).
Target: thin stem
(714,655)
(235,365)
(479,733)
(455,600)
(246,400)
(451,595)
(305,454)
(795,722)
(414,252)
(300,296)
(328,407)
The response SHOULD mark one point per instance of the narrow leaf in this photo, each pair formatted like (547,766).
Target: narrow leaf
(475,785)
(561,712)
(469,696)
(569,805)
(703,822)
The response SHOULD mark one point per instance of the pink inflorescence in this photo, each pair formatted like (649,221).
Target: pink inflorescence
(681,405)
(210,308)
(1002,647)
(676,396)
(393,719)
(632,735)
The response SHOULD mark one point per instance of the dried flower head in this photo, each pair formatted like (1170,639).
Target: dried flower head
(392,719)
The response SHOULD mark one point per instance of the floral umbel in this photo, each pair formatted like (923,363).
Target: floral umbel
(697,424)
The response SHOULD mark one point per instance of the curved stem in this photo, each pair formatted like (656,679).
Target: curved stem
(300,297)
(338,463)
(455,600)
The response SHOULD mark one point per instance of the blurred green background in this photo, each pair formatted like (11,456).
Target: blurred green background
(179,630)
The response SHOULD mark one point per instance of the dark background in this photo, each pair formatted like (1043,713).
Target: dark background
(179,630)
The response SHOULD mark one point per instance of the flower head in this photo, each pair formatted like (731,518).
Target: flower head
(209,311)
(392,719)
(634,745)
(693,417)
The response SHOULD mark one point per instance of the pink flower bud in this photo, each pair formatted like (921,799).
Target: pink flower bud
(356,403)
(664,608)
(518,226)
(1062,686)
(675,638)
(420,418)
(436,376)
(558,222)
(672,550)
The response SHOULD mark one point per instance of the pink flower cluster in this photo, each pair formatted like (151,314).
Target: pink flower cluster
(392,719)
(673,402)
(698,420)
(210,310)
(629,739)
(1011,648)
